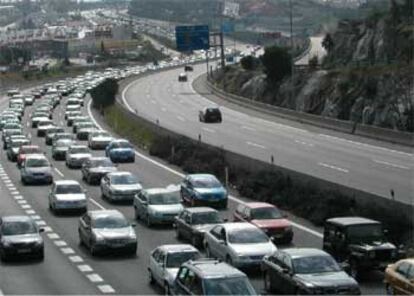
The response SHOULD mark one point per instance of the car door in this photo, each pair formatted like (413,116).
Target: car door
(181,282)
(84,229)
(142,204)
(216,242)
(287,280)
(273,267)
(187,227)
(185,190)
(105,185)
(52,193)
(154,265)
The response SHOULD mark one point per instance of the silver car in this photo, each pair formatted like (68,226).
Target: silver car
(158,205)
(120,186)
(67,195)
(99,140)
(240,244)
(36,169)
(107,230)
(165,261)
(77,155)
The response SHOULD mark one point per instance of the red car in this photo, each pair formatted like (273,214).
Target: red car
(268,218)
(25,150)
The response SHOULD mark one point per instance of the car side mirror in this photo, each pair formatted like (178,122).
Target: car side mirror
(41,230)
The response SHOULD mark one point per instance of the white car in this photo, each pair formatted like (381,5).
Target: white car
(120,186)
(67,195)
(240,244)
(165,262)
(77,155)
(99,140)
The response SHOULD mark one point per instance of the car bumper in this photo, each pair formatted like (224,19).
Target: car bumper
(248,262)
(29,251)
(40,179)
(98,145)
(163,219)
(74,205)
(122,158)
(215,203)
(76,163)
(108,247)
(124,197)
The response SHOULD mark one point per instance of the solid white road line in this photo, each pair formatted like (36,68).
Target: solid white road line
(97,204)
(177,173)
(333,167)
(391,164)
(248,128)
(255,145)
(181,118)
(1,293)
(59,172)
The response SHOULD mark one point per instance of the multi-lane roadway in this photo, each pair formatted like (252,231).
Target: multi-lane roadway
(69,268)
(370,166)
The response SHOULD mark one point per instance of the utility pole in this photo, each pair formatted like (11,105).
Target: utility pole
(292,74)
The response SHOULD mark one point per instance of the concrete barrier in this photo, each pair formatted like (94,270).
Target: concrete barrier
(388,135)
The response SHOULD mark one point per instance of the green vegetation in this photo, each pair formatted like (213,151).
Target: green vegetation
(249,63)
(104,94)
(277,63)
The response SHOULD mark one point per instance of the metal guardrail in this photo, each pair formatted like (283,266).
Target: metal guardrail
(388,135)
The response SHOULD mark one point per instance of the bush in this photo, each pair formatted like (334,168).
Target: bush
(277,62)
(249,63)
(104,94)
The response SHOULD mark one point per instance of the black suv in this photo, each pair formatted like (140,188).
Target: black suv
(359,241)
(211,277)
(212,114)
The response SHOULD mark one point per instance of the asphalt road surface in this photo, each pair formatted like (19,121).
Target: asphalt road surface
(375,168)
(69,268)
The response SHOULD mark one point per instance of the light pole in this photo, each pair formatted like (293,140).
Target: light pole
(292,70)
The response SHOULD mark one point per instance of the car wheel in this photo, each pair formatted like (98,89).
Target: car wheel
(354,270)
(93,249)
(151,277)
(41,255)
(178,233)
(23,181)
(136,214)
(148,220)
(267,282)
(389,289)
(167,289)
(2,256)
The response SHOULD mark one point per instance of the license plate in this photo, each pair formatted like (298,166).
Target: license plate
(23,251)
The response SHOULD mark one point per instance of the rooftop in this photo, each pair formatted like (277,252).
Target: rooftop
(346,221)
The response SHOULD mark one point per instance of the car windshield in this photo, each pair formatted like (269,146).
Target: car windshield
(64,143)
(206,218)
(79,150)
(315,264)
(247,236)
(174,260)
(126,179)
(37,163)
(266,213)
(18,228)
(228,286)
(365,233)
(68,189)
(122,145)
(102,163)
(33,150)
(164,199)
(110,222)
(206,182)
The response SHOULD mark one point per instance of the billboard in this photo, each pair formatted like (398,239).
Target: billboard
(190,38)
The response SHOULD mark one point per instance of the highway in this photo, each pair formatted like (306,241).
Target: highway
(68,268)
(321,153)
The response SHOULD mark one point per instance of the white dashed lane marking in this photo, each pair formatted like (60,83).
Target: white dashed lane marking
(390,164)
(76,259)
(30,212)
(60,243)
(94,278)
(106,289)
(329,166)
(255,145)
(59,172)
(53,236)
(67,251)
(85,268)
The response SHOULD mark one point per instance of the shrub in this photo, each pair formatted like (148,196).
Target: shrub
(277,62)
(249,63)
(104,94)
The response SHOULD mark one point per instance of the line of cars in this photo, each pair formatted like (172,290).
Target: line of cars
(248,241)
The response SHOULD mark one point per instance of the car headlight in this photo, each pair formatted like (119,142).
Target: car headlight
(99,238)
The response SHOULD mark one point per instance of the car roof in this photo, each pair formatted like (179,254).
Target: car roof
(16,218)
(151,191)
(208,268)
(29,147)
(256,205)
(201,176)
(200,210)
(303,252)
(78,146)
(35,156)
(173,248)
(122,173)
(105,213)
(238,225)
(409,260)
(346,221)
(66,182)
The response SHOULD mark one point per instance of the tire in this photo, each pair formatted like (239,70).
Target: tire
(354,270)
(148,221)
(267,282)
(389,290)
(194,241)
(41,255)
(178,234)
(167,290)
(151,278)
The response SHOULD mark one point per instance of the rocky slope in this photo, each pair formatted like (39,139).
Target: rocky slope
(367,76)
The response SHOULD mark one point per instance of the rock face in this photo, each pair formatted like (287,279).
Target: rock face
(367,76)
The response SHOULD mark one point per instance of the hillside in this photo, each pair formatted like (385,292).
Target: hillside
(367,76)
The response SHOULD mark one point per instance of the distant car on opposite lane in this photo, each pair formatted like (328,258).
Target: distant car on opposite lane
(210,115)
